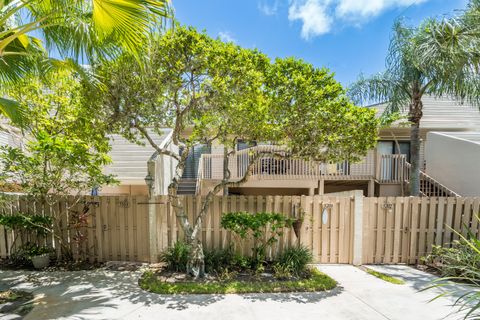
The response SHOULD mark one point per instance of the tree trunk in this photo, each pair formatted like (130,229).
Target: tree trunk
(225,170)
(415,115)
(196,263)
(415,159)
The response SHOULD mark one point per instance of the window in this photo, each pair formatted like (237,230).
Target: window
(390,147)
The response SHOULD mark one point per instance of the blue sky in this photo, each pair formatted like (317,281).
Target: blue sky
(347,36)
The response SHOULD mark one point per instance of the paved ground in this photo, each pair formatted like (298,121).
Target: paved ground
(115,295)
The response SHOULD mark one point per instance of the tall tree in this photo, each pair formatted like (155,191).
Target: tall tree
(65,150)
(76,29)
(207,90)
(415,68)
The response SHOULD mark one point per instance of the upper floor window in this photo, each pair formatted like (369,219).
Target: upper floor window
(391,147)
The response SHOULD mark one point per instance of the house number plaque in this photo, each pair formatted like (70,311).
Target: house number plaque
(387,206)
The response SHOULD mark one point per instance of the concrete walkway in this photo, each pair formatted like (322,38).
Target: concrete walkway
(105,294)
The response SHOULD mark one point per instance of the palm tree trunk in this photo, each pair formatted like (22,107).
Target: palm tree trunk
(415,159)
(415,115)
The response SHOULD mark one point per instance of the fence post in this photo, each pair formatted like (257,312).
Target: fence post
(358,227)
(152,214)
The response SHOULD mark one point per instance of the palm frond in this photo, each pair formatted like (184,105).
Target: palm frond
(12,110)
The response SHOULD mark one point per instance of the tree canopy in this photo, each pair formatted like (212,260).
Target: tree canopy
(208,90)
(434,59)
(66,146)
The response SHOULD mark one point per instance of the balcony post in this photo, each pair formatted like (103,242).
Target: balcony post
(321,186)
(371,188)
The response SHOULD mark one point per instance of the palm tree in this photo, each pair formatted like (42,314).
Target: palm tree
(76,29)
(431,59)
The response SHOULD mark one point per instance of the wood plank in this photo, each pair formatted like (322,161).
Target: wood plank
(216,213)
(122,211)
(380,241)
(130,230)
(317,220)
(137,215)
(475,215)
(406,212)
(423,227)
(366,254)
(306,204)
(245,249)
(91,243)
(324,232)
(277,203)
(333,257)
(389,229)
(467,215)
(440,222)
(226,241)
(457,219)
(447,238)
(342,236)
(349,220)
(432,219)
(414,225)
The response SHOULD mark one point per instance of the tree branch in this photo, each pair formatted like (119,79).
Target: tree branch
(163,151)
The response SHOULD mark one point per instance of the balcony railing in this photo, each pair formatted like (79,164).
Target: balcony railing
(429,187)
(273,168)
(391,168)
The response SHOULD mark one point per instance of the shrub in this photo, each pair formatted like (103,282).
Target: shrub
(295,259)
(461,260)
(218,259)
(281,271)
(256,226)
(176,257)
(460,263)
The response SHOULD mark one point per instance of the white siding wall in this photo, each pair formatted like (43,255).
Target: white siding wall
(129,160)
(453,160)
(165,169)
(444,114)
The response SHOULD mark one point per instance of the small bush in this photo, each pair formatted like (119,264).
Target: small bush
(295,259)
(242,262)
(281,272)
(256,226)
(176,257)
(218,259)
(461,260)
(461,263)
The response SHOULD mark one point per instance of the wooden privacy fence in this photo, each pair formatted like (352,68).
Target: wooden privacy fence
(91,228)
(402,230)
(330,242)
(337,229)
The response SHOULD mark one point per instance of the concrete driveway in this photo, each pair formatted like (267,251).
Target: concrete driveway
(103,294)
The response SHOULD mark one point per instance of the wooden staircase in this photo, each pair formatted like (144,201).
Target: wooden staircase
(187,186)
(429,187)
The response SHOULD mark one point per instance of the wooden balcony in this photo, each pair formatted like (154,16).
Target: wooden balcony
(270,168)
(383,168)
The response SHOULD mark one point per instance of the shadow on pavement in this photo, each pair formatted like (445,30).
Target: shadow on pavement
(82,294)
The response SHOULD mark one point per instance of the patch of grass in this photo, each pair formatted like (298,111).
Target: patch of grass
(383,276)
(13,295)
(316,282)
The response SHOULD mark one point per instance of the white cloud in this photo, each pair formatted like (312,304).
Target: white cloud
(361,9)
(267,8)
(226,36)
(314,16)
(318,16)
